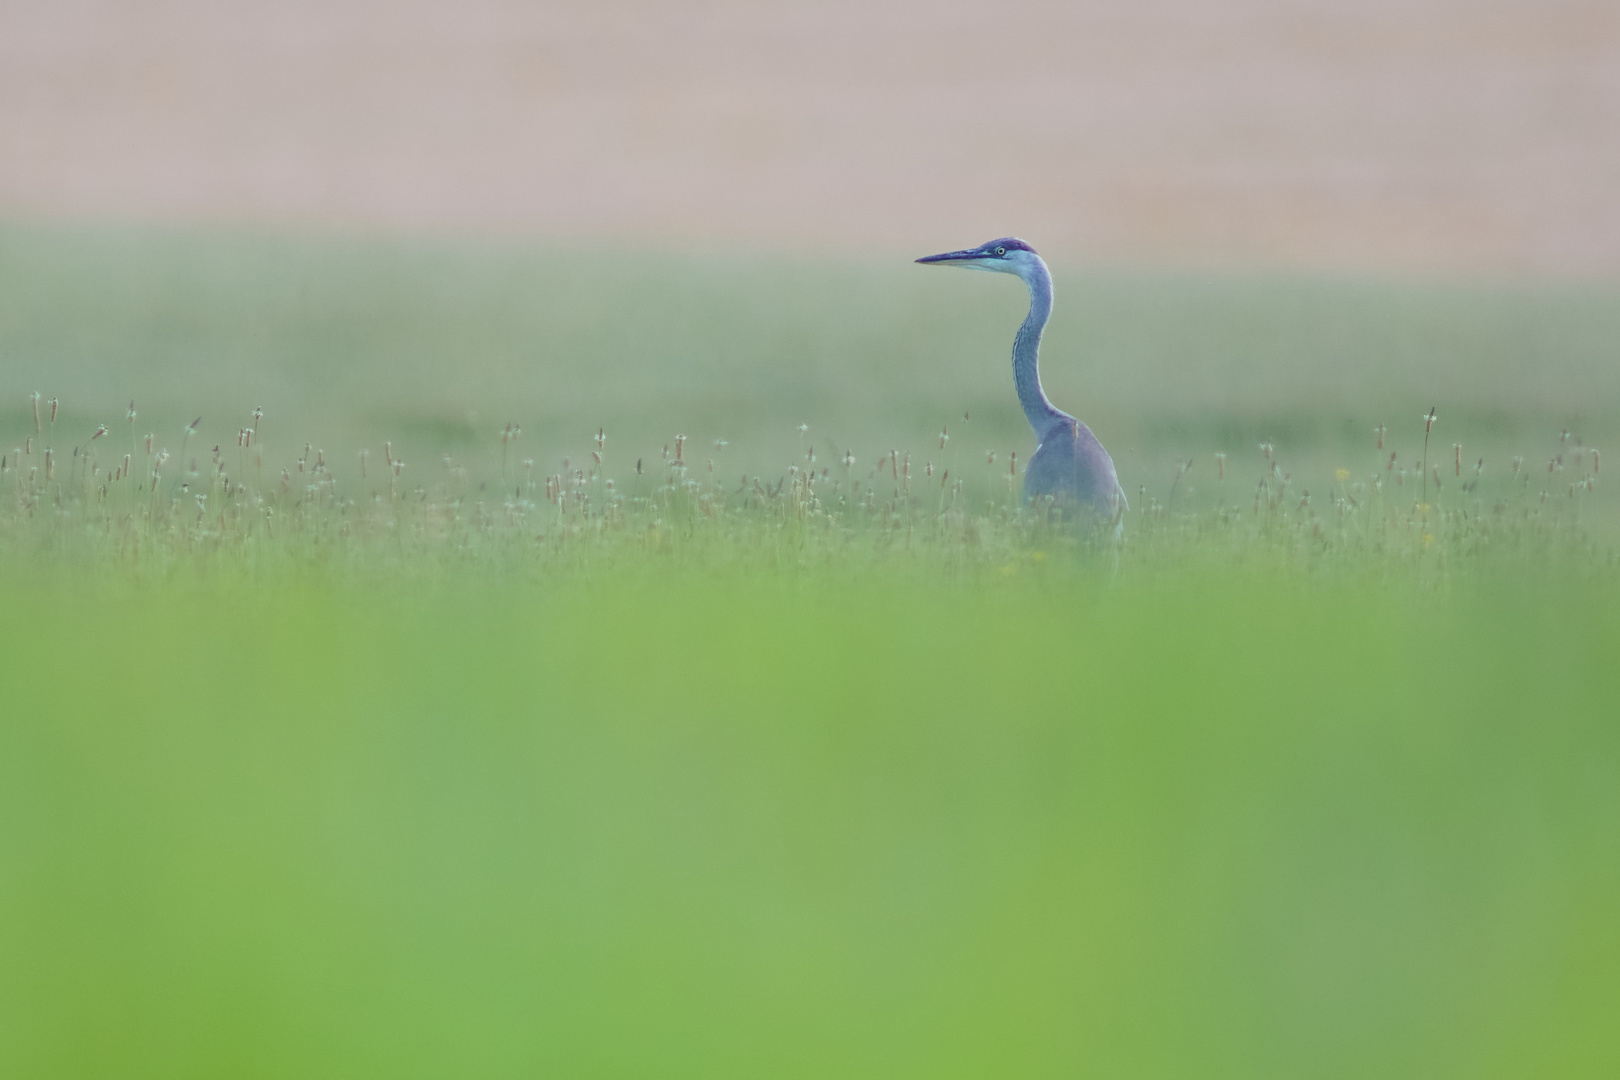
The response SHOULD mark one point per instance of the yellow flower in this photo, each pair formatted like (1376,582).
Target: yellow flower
(1428,538)
(1342,474)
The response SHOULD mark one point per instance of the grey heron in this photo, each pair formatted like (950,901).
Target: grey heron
(1069,463)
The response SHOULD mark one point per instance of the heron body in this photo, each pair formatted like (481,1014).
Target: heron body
(1069,463)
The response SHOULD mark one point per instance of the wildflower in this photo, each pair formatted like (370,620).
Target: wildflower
(1341,474)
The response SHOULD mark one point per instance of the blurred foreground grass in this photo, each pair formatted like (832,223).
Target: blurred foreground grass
(1245,824)
(433,762)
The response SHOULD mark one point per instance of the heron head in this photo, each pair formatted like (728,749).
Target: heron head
(1009,255)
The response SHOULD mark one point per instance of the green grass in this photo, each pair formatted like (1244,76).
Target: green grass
(478,769)
(436,346)
(1225,826)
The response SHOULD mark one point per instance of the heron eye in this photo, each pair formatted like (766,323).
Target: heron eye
(1001,251)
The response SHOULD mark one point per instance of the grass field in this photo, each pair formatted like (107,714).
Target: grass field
(478,769)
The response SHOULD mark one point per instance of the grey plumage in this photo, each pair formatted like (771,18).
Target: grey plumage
(1069,463)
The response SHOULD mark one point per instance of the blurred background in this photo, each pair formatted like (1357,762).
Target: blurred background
(1471,136)
(420,222)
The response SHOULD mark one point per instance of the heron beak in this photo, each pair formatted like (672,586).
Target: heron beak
(950,258)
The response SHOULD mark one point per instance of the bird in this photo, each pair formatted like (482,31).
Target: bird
(1069,464)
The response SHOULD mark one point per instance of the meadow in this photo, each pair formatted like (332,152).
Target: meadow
(609,663)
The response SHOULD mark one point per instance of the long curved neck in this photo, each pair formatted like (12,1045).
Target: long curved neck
(1027,347)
